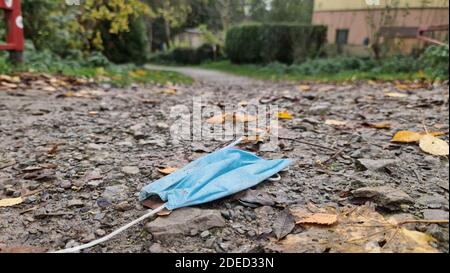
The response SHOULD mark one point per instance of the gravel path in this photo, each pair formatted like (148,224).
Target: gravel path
(206,76)
(81,161)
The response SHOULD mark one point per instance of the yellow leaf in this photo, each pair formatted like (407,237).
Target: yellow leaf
(284,115)
(168,170)
(422,240)
(335,122)
(305,88)
(169,91)
(402,86)
(10,202)
(410,136)
(433,145)
(395,95)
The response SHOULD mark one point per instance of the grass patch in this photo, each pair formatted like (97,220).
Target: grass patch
(125,76)
(273,73)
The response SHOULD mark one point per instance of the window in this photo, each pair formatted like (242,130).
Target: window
(341,36)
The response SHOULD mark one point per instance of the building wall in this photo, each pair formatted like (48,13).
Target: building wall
(334,5)
(359,27)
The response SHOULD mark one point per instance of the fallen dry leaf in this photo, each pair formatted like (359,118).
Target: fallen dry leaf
(402,86)
(380,125)
(395,95)
(22,249)
(235,117)
(243,118)
(410,136)
(319,219)
(335,122)
(433,145)
(169,91)
(53,149)
(305,88)
(155,202)
(406,137)
(8,202)
(216,119)
(168,170)
(284,115)
(359,230)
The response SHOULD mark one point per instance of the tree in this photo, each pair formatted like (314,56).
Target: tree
(259,10)
(299,11)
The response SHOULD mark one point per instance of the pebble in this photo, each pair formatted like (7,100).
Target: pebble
(205,234)
(130,170)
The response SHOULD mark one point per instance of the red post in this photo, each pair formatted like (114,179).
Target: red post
(15,41)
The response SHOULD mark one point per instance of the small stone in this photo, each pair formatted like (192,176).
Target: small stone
(374,165)
(94,146)
(123,206)
(384,196)
(162,125)
(75,203)
(130,170)
(65,184)
(180,222)
(320,108)
(156,248)
(251,233)
(100,232)
(210,243)
(433,201)
(226,214)
(438,233)
(193,232)
(88,238)
(205,234)
(116,193)
(435,214)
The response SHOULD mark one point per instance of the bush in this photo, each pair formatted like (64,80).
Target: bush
(435,61)
(126,47)
(188,56)
(332,65)
(185,56)
(266,43)
(5,67)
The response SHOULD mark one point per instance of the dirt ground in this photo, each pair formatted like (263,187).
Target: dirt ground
(81,162)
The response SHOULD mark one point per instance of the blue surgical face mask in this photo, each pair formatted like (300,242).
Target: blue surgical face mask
(217,175)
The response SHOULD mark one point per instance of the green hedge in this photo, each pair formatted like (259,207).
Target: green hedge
(188,56)
(266,43)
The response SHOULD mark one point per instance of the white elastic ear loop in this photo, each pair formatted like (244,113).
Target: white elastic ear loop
(235,143)
(275,179)
(112,234)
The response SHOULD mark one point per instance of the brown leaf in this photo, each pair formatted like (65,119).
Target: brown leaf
(21,249)
(380,125)
(167,170)
(53,150)
(319,219)
(155,202)
(284,224)
(359,230)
